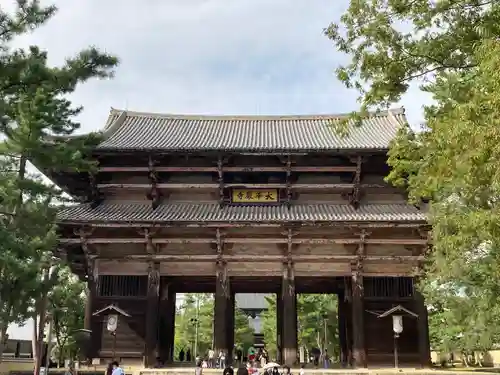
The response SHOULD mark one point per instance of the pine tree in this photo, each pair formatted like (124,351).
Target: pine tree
(36,118)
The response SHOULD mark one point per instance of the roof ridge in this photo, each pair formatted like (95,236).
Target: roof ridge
(386,113)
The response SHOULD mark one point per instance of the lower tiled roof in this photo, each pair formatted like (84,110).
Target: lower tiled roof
(210,212)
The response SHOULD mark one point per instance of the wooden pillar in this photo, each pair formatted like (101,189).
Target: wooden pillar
(279,328)
(230,328)
(166,330)
(87,322)
(358,326)
(342,327)
(423,330)
(289,326)
(221,310)
(151,322)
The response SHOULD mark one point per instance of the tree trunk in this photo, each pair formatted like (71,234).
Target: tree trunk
(38,336)
(3,333)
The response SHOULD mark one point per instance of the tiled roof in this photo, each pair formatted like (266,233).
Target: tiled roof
(147,131)
(210,212)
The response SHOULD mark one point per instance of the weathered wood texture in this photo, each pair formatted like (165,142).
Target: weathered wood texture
(379,336)
(130,332)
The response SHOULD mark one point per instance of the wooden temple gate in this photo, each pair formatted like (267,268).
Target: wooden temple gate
(229,205)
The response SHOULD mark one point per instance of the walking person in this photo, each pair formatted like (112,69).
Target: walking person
(117,370)
(199,369)
(326,359)
(71,370)
(211,358)
(222,359)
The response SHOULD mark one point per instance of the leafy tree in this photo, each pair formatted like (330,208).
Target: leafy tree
(452,48)
(269,327)
(33,110)
(67,308)
(313,310)
(185,325)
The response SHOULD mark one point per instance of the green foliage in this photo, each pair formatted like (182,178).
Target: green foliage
(185,325)
(452,48)
(36,117)
(393,43)
(311,312)
(67,307)
(269,327)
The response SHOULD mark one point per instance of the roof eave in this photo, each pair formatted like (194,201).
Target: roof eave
(108,151)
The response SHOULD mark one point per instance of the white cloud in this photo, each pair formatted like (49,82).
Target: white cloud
(205,56)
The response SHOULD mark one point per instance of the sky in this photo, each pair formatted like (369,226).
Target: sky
(206,57)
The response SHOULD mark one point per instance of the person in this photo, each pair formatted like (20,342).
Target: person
(242,370)
(286,370)
(188,355)
(211,358)
(275,371)
(117,370)
(181,355)
(326,359)
(316,354)
(302,369)
(159,363)
(71,370)
(222,359)
(265,358)
(228,371)
(239,355)
(199,369)
(109,370)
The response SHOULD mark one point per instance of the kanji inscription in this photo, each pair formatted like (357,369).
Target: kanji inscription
(255,196)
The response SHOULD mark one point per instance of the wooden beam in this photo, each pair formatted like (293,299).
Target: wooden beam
(215,224)
(246,240)
(220,173)
(264,258)
(356,188)
(154,194)
(288,167)
(237,185)
(231,169)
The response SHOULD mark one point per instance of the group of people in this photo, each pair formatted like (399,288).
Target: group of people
(248,369)
(219,360)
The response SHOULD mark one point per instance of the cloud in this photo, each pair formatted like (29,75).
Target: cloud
(204,56)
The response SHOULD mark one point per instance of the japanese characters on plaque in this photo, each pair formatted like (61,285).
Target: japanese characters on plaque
(255,196)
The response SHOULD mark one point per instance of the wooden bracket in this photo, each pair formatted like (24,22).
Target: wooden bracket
(355,196)
(288,166)
(153,279)
(219,244)
(222,277)
(95,197)
(357,264)
(90,258)
(220,172)
(148,234)
(154,194)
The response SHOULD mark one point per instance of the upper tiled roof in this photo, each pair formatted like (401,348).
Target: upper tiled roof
(147,131)
(210,212)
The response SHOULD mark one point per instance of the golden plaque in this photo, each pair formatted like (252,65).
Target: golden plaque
(255,196)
